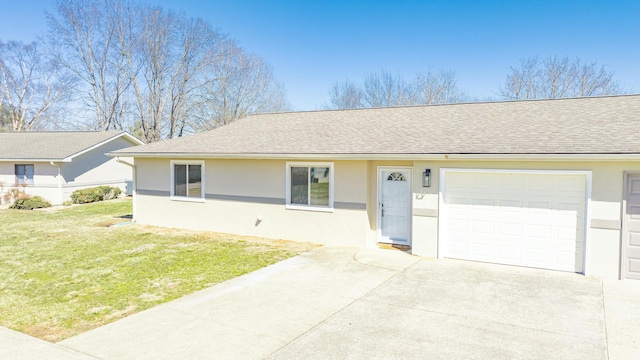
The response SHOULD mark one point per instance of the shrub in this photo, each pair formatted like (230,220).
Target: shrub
(110,192)
(89,195)
(12,194)
(30,203)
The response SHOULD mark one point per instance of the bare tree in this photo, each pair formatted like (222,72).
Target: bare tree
(346,95)
(149,70)
(244,84)
(385,89)
(83,35)
(150,60)
(5,117)
(557,77)
(437,88)
(594,79)
(31,85)
(522,82)
(202,48)
(170,60)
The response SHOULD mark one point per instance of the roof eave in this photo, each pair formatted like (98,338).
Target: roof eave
(35,160)
(398,156)
(126,135)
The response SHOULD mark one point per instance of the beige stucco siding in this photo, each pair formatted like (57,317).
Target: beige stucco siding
(237,192)
(605,207)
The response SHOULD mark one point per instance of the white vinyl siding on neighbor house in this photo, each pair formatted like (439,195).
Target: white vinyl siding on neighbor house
(526,218)
(309,186)
(187,180)
(24,174)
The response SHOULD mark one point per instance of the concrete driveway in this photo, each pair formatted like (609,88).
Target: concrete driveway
(340,303)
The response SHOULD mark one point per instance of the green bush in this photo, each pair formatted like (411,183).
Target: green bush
(110,192)
(89,195)
(30,203)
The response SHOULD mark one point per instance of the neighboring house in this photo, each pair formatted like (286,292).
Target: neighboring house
(54,164)
(551,184)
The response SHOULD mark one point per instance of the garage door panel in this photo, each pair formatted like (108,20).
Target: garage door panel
(516,182)
(539,256)
(509,205)
(511,229)
(482,250)
(568,234)
(526,219)
(542,184)
(511,253)
(541,232)
(459,247)
(483,227)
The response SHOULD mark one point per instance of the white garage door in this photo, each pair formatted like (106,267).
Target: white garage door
(534,219)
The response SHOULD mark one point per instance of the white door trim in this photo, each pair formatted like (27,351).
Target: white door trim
(409,202)
(623,232)
(586,173)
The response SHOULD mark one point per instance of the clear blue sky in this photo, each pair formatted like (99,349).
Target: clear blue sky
(312,44)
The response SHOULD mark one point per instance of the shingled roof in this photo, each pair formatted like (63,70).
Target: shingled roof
(594,125)
(53,145)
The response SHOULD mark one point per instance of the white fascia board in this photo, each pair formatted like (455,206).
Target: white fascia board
(124,134)
(133,138)
(34,160)
(431,157)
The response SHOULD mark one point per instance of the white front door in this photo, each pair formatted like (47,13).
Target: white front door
(631,233)
(394,205)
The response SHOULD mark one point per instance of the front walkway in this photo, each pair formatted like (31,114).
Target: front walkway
(18,346)
(336,302)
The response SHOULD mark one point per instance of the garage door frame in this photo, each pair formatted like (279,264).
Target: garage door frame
(625,226)
(587,216)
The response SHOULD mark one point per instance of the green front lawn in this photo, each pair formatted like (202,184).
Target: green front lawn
(64,272)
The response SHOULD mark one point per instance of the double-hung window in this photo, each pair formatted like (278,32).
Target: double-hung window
(24,174)
(310,186)
(187,180)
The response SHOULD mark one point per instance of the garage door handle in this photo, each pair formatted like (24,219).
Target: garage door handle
(382,209)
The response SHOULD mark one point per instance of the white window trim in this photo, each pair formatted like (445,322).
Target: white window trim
(309,207)
(25,176)
(202,175)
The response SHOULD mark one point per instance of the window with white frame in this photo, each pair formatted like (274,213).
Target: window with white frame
(24,174)
(310,186)
(187,180)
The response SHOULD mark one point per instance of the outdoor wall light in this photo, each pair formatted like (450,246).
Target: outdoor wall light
(426,178)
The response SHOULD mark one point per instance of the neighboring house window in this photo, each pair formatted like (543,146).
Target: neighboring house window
(310,186)
(187,180)
(24,174)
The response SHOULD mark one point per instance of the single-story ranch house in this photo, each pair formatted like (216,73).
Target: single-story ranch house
(55,164)
(551,184)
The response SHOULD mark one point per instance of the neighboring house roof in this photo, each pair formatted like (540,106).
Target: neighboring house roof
(593,125)
(54,145)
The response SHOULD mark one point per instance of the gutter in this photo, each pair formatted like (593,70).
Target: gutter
(408,156)
(134,170)
(34,160)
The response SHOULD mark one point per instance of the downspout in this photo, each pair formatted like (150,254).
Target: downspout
(59,181)
(134,170)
